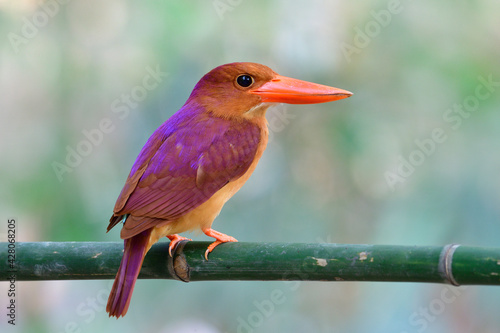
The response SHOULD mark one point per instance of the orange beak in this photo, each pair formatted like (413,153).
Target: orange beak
(283,89)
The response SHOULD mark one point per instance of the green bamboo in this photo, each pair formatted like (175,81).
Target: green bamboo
(257,261)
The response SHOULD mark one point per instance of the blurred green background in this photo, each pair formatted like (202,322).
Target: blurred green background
(360,170)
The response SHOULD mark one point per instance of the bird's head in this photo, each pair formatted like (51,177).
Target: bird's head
(245,89)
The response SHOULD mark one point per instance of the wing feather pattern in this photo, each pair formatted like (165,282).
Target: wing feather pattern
(186,161)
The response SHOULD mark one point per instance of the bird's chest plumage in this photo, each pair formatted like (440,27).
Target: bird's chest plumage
(203,215)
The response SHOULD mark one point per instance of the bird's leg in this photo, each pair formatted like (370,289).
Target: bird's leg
(220,238)
(174,240)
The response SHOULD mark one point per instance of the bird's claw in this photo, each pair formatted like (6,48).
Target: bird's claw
(220,238)
(174,241)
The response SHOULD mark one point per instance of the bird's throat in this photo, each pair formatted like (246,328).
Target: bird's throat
(258,111)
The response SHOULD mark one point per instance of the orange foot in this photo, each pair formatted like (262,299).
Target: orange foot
(221,238)
(174,240)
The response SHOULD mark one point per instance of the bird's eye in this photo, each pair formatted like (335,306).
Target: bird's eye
(244,80)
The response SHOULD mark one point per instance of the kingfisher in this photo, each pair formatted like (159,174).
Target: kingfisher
(198,159)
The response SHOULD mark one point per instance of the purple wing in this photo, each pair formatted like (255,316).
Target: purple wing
(188,159)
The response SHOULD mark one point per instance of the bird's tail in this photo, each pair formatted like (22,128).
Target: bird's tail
(135,250)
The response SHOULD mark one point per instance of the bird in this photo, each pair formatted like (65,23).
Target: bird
(197,160)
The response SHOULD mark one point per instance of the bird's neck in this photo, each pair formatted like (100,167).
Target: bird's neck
(255,113)
(258,112)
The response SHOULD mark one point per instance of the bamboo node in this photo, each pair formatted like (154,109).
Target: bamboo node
(445,264)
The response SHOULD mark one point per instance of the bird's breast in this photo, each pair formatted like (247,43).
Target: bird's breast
(203,216)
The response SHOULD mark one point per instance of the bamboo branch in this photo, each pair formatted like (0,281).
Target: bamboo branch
(453,264)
